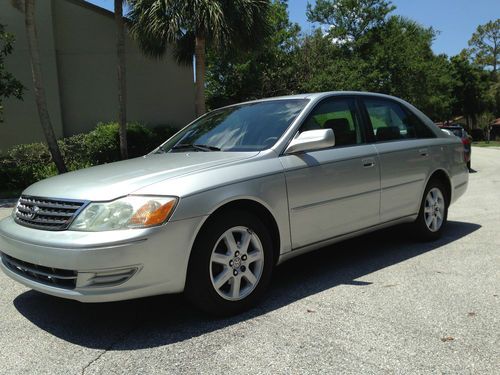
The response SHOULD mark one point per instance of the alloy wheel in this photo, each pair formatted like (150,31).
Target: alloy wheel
(236,263)
(434,209)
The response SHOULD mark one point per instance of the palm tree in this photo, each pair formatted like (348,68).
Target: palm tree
(28,8)
(122,79)
(192,26)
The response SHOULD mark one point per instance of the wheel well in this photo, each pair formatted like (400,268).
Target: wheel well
(443,177)
(258,210)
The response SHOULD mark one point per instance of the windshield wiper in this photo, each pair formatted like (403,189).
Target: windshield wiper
(196,147)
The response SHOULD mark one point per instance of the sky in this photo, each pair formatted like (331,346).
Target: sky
(455,20)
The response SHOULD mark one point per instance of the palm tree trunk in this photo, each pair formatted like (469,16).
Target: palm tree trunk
(200,54)
(122,79)
(41,101)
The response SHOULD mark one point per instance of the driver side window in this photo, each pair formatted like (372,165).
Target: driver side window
(341,116)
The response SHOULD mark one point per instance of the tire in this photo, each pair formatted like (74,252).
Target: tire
(227,277)
(433,214)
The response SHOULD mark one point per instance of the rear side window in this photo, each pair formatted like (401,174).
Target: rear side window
(341,116)
(390,121)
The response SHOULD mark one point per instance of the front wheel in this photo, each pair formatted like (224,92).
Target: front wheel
(230,264)
(433,213)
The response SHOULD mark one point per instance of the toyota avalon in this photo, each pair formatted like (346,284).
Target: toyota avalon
(238,191)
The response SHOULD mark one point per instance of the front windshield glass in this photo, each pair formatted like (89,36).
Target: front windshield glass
(246,127)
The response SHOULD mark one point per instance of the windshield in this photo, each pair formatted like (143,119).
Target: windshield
(246,127)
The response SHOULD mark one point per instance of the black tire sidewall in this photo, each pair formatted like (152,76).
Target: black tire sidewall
(199,288)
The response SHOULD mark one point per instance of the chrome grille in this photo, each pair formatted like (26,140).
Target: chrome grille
(45,275)
(45,213)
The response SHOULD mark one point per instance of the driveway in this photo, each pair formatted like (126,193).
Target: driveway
(377,304)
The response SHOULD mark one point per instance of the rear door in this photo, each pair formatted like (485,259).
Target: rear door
(401,140)
(337,190)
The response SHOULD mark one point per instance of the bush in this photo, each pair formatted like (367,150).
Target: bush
(28,163)
(104,141)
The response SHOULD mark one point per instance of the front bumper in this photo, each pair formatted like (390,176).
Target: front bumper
(107,266)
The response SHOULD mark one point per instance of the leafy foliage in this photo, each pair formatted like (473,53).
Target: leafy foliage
(485,44)
(349,19)
(28,163)
(192,26)
(400,62)
(236,75)
(360,47)
(9,85)
(158,24)
(471,88)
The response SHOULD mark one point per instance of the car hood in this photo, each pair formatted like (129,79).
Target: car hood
(110,181)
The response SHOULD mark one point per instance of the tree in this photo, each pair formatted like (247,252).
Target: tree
(267,70)
(9,85)
(398,60)
(122,78)
(485,44)
(471,89)
(348,20)
(28,8)
(193,25)
(394,57)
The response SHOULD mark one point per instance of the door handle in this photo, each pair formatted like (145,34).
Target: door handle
(423,152)
(368,162)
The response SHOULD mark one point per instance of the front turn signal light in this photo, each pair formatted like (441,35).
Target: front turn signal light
(152,213)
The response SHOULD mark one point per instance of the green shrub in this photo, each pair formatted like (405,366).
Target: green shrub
(76,152)
(28,163)
(104,143)
(162,133)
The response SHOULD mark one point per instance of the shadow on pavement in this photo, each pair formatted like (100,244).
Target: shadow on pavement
(157,321)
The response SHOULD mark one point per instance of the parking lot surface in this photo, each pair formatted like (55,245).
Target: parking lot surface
(382,303)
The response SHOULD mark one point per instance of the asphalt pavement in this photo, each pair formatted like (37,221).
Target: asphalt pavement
(381,303)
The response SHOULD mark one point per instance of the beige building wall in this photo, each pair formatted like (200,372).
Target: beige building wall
(79,67)
(21,124)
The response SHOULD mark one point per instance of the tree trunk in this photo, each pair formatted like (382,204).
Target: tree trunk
(122,79)
(199,52)
(41,101)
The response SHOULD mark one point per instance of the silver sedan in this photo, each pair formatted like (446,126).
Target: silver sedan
(243,188)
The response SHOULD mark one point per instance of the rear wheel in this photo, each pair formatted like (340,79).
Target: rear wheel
(433,213)
(230,264)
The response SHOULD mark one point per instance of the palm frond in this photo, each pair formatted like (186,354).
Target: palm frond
(183,50)
(155,24)
(222,23)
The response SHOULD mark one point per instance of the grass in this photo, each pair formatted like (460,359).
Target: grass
(484,144)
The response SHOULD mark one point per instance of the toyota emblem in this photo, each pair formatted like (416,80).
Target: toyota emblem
(33,212)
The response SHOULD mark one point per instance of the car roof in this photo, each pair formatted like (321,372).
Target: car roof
(320,95)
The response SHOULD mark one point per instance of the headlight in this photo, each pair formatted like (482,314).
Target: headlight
(130,212)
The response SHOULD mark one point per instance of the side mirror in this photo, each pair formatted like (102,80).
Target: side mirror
(311,140)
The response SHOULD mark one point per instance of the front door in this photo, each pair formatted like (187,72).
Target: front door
(337,190)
